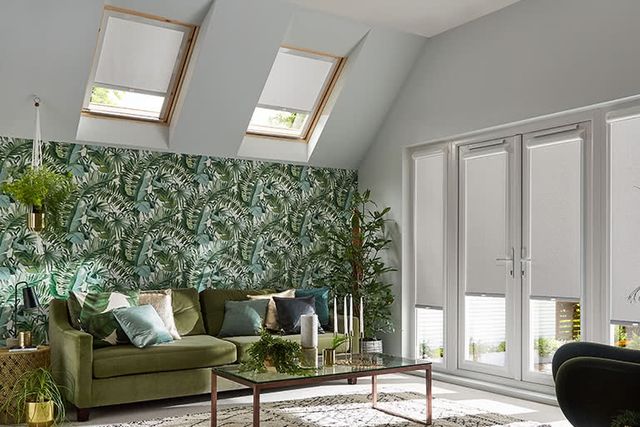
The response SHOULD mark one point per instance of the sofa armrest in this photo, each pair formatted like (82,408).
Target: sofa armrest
(356,333)
(592,390)
(71,356)
(590,349)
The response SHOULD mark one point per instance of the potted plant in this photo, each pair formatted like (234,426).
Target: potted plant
(35,399)
(329,354)
(274,354)
(359,268)
(42,191)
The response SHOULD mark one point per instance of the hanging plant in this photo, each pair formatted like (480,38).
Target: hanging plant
(42,190)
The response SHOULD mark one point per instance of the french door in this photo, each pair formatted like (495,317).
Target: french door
(521,250)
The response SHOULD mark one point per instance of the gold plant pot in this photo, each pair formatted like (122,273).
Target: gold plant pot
(35,221)
(328,357)
(39,414)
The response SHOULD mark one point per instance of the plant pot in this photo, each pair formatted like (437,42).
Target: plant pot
(370,345)
(270,367)
(39,414)
(328,357)
(35,220)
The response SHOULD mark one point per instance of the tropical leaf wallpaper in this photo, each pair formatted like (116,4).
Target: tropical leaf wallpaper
(146,220)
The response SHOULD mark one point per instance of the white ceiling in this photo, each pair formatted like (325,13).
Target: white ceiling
(424,17)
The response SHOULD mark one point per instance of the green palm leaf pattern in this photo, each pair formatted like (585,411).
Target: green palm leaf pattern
(146,220)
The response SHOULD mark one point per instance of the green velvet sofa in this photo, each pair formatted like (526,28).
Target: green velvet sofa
(123,374)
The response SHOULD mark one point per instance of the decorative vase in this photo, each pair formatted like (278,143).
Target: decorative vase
(39,414)
(328,357)
(35,220)
(370,345)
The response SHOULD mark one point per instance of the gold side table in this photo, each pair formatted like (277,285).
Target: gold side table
(13,365)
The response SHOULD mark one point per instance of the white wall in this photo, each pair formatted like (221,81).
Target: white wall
(533,58)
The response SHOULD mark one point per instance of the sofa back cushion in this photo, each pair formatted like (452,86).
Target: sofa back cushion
(186,312)
(212,303)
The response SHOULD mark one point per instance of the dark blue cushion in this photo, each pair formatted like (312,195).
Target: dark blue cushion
(321,296)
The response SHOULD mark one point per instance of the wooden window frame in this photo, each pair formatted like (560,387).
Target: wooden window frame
(321,102)
(177,75)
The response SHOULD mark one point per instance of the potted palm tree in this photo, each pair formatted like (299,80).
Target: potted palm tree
(42,191)
(359,268)
(35,399)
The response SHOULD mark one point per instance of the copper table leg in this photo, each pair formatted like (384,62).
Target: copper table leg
(374,400)
(256,407)
(429,395)
(214,399)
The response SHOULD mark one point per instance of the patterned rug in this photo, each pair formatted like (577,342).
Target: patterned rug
(345,410)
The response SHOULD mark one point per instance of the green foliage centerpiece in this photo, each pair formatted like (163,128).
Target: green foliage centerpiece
(35,399)
(43,190)
(359,267)
(274,353)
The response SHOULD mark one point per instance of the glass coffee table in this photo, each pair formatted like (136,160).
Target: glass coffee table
(361,366)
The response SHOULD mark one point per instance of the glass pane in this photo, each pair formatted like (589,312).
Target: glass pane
(626,336)
(553,323)
(278,122)
(430,334)
(485,327)
(124,103)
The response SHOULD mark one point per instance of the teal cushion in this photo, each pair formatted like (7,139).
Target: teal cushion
(243,318)
(143,325)
(322,303)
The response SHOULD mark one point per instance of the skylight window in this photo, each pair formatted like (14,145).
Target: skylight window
(139,65)
(294,94)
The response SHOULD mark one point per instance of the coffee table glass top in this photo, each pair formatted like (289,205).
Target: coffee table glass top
(360,364)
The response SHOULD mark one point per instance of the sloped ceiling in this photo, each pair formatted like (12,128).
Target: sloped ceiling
(46,48)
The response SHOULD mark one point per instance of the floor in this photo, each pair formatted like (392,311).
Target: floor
(175,407)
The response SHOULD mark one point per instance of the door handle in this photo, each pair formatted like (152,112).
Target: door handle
(510,260)
(523,265)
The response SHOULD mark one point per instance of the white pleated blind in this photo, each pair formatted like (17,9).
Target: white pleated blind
(296,81)
(484,186)
(137,55)
(429,228)
(625,218)
(553,214)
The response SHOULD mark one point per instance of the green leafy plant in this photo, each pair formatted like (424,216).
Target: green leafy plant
(337,341)
(283,354)
(42,189)
(546,346)
(34,386)
(627,419)
(358,264)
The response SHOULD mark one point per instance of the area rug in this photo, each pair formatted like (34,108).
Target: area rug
(345,411)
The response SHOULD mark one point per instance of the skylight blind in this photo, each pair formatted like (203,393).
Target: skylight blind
(625,219)
(553,214)
(136,55)
(429,228)
(295,81)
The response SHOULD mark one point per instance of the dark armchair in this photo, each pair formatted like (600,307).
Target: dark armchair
(596,382)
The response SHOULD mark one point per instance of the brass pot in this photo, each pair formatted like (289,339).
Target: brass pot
(328,357)
(35,221)
(39,414)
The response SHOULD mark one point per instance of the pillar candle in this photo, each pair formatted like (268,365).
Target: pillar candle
(346,318)
(309,331)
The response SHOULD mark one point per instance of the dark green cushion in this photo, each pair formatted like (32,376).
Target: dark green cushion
(291,309)
(96,314)
(196,351)
(186,312)
(143,325)
(322,303)
(212,303)
(242,318)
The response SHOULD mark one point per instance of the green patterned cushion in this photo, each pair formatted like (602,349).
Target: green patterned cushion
(96,314)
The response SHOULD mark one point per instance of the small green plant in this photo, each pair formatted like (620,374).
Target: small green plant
(42,189)
(34,386)
(337,341)
(627,419)
(283,354)
(501,347)
(546,346)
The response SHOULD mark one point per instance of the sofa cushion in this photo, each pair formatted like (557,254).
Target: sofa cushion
(243,317)
(191,352)
(322,303)
(243,344)
(143,325)
(212,304)
(186,312)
